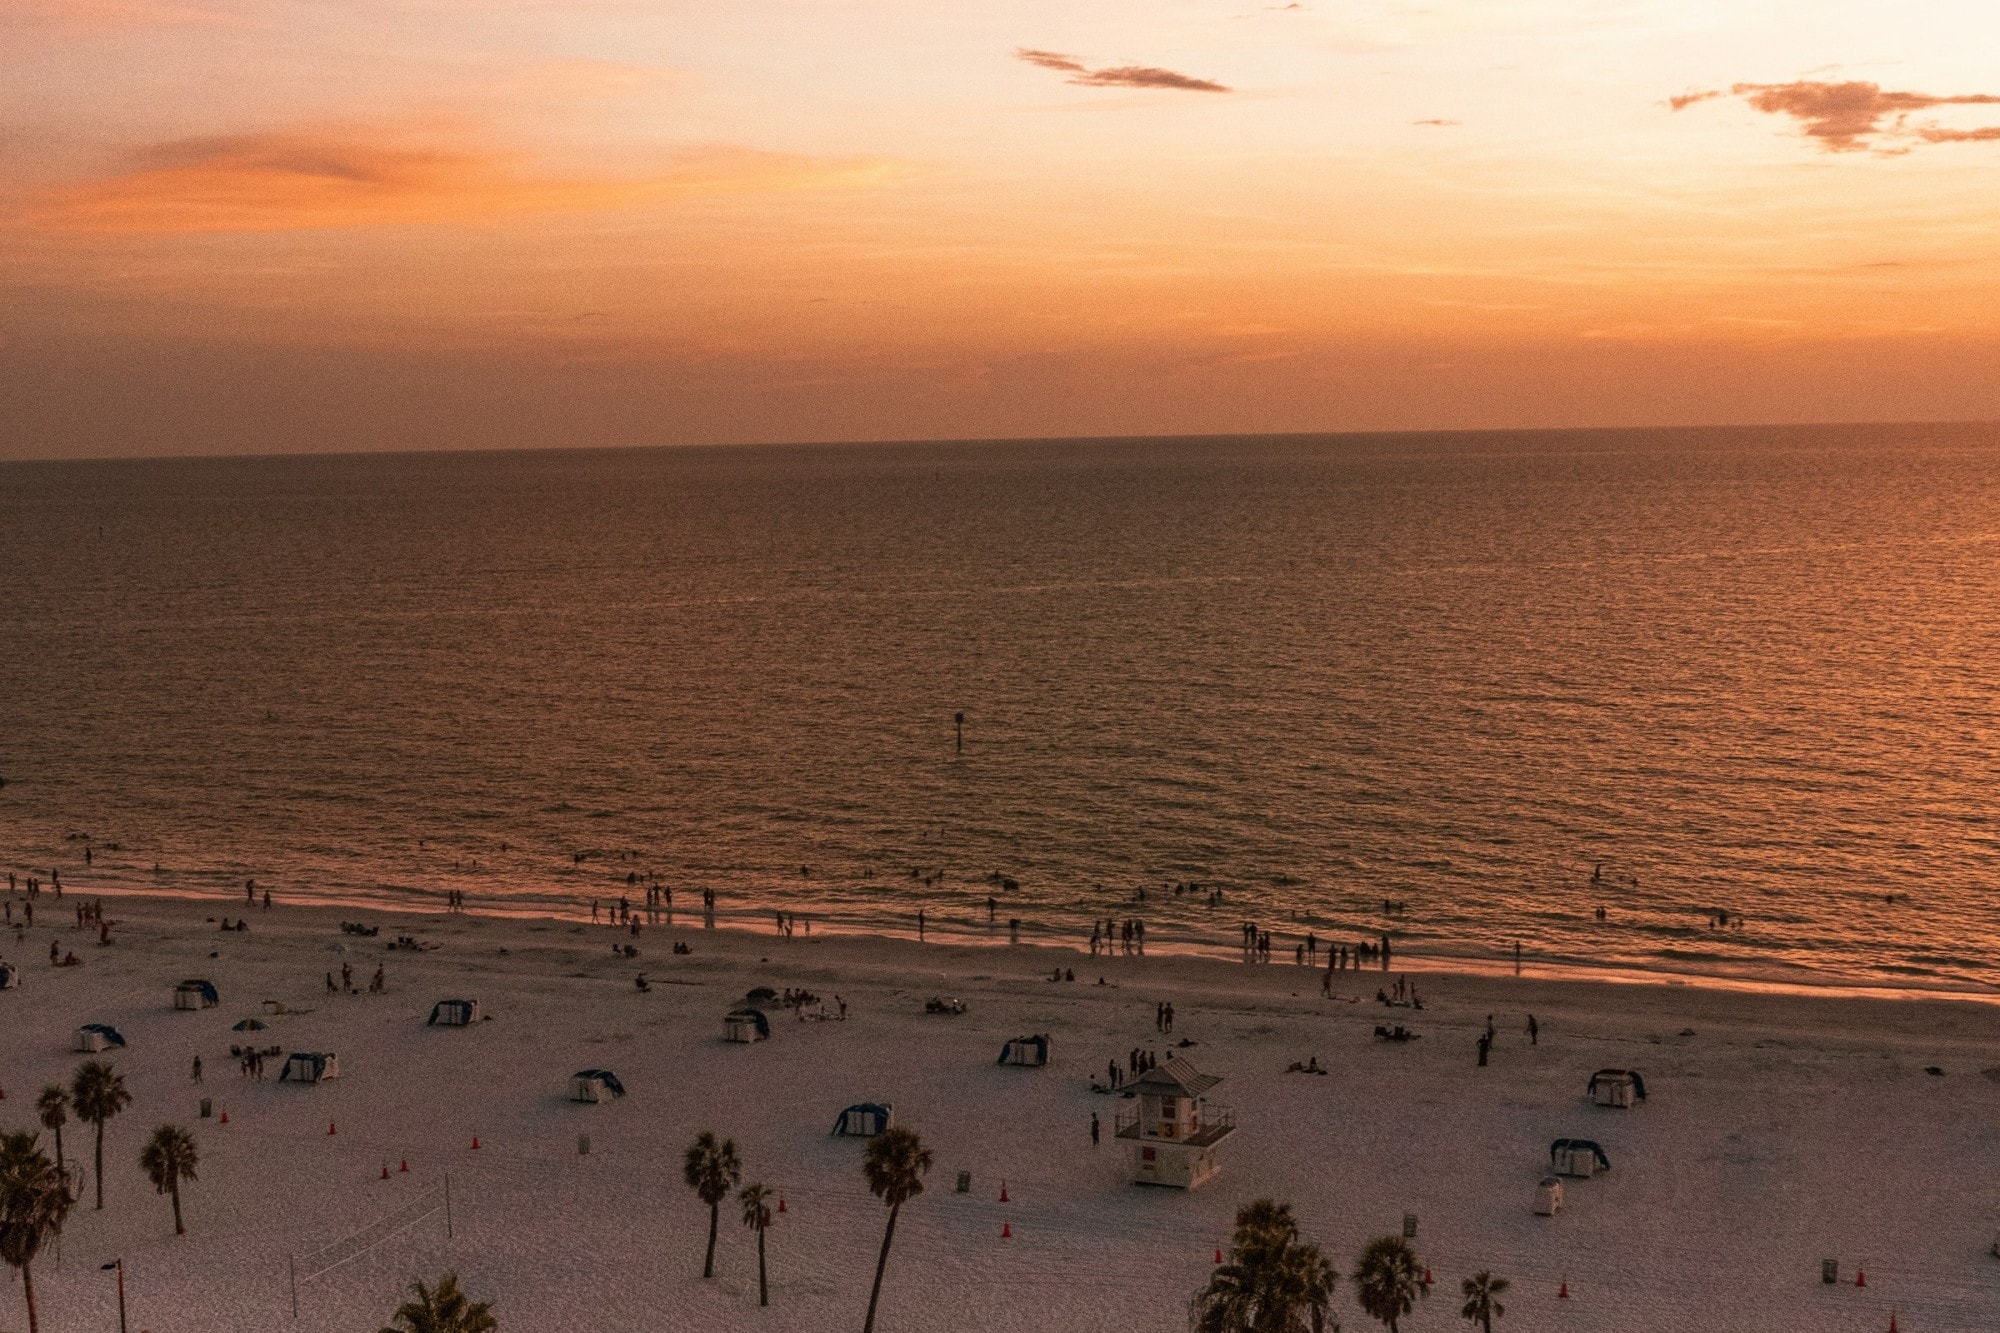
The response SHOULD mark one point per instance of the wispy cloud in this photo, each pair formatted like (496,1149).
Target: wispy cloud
(1435,121)
(1117,76)
(300,180)
(1853,116)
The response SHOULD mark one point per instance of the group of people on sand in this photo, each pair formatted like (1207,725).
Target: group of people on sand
(1137,1062)
(1111,936)
(1487,1038)
(376,984)
(34,885)
(250,894)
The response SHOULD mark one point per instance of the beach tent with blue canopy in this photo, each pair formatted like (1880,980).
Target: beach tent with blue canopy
(864,1120)
(1617,1087)
(1033,1051)
(98,1037)
(745,1025)
(594,1085)
(196,994)
(1577,1157)
(249,1025)
(310,1067)
(454,1013)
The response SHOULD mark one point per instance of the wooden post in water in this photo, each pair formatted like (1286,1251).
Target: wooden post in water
(958,721)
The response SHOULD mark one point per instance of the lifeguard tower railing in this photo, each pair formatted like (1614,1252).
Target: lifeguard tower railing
(1215,1124)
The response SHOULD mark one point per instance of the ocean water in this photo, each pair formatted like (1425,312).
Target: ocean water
(1742,671)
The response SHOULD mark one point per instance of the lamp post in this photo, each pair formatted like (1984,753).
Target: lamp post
(118,1264)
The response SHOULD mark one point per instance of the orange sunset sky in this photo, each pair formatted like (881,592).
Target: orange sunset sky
(278,225)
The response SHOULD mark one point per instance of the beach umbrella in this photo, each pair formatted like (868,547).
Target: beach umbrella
(249,1025)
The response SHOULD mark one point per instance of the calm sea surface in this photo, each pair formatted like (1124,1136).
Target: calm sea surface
(1754,671)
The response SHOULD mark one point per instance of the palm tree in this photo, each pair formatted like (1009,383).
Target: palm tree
(1271,1284)
(98,1094)
(1388,1280)
(1482,1306)
(34,1203)
(168,1158)
(757,1216)
(442,1309)
(895,1166)
(711,1171)
(53,1107)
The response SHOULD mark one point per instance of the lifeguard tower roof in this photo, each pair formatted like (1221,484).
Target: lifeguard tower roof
(1174,1077)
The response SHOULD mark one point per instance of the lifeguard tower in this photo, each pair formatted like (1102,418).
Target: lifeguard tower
(1172,1128)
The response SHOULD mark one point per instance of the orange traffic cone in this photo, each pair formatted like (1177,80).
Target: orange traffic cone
(1218,1254)
(225,1117)
(385,1170)
(1563,1294)
(781,1203)
(1003,1191)
(1427,1277)
(1006,1230)
(475,1141)
(1892,1321)
(1860,1278)
(330,1127)
(405,1166)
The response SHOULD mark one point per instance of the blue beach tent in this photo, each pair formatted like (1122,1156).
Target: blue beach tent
(454,1013)
(196,994)
(1577,1157)
(864,1120)
(745,1025)
(1025,1051)
(310,1067)
(98,1037)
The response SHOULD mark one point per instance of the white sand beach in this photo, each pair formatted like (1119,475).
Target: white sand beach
(1780,1130)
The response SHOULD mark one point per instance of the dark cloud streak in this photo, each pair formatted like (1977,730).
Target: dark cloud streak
(1117,76)
(1853,116)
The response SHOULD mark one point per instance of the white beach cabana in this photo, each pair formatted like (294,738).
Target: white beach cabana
(1031,1051)
(1617,1087)
(454,1014)
(1578,1157)
(310,1067)
(594,1085)
(864,1120)
(745,1025)
(93,1037)
(196,994)
(1548,1197)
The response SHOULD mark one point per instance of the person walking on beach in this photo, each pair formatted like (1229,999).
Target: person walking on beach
(331,989)
(1534,1031)
(1489,1029)
(1170,1018)
(1093,1129)
(267,900)
(195,1073)
(1485,1045)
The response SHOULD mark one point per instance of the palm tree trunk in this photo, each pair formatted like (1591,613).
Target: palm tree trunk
(28,1288)
(881,1262)
(174,1192)
(59,1156)
(100,1165)
(708,1264)
(763,1289)
(1486,1320)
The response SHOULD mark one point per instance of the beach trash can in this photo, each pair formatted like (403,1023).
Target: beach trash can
(207,1108)
(1548,1197)
(1829,1270)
